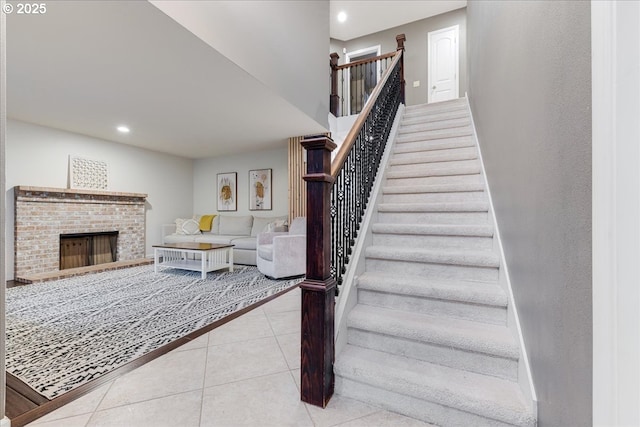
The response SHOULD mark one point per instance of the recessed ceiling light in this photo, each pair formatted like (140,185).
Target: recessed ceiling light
(342,16)
(123,129)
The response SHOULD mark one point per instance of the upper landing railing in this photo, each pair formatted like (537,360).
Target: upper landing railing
(337,196)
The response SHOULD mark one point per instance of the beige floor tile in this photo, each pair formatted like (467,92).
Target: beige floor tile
(76,421)
(84,405)
(238,361)
(290,345)
(243,328)
(178,410)
(265,401)
(295,373)
(286,322)
(385,419)
(200,342)
(287,302)
(339,410)
(173,373)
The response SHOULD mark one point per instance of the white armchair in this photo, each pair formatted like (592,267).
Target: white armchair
(282,255)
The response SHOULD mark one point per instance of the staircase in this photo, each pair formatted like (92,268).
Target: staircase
(428,337)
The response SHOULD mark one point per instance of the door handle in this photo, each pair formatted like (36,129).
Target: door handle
(433,87)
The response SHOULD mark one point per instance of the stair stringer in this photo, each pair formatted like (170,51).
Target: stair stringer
(525,379)
(348,297)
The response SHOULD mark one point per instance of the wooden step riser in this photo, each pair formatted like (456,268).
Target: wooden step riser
(436,307)
(429,352)
(465,196)
(431,241)
(433,217)
(432,271)
(420,409)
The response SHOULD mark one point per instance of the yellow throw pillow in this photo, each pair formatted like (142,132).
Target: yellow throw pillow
(205,222)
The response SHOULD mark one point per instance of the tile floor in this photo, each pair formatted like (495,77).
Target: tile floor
(245,373)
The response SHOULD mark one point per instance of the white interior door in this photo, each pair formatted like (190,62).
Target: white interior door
(443,64)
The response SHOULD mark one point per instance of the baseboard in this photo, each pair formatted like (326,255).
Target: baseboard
(5,422)
(525,378)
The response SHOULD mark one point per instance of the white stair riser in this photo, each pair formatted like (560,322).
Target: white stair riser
(411,118)
(456,167)
(461,310)
(434,125)
(462,196)
(435,180)
(429,352)
(432,241)
(420,409)
(433,271)
(413,148)
(433,217)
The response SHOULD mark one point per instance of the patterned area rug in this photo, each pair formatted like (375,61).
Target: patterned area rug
(65,333)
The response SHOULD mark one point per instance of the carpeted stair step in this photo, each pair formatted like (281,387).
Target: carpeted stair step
(429,392)
(425,125)
(435,197)
(437,107)
(439,213)
(471,346)
(436,264)
(450,155)
(452,167)
(414,134)
(460,236)
(471,178)
(408,148)
(479,301)
(412,118)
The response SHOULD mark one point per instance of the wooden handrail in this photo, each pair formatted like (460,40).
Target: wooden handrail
(365,61)
(349,140)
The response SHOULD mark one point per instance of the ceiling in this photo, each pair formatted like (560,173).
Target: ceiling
(366,17)
(87,67)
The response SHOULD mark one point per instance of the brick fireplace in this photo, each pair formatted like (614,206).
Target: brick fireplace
(43,214)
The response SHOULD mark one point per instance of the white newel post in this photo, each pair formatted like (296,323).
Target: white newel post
(4,421)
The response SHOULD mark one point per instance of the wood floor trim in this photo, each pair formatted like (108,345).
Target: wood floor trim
(50,405)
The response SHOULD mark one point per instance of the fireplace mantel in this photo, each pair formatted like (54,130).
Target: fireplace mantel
(42,214)
(48,192)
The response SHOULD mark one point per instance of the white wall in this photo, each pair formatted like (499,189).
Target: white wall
(38,156)
(205,182)
(281,43)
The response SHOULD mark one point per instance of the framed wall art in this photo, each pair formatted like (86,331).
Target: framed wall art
(227,191)
(88,174)
(260,190)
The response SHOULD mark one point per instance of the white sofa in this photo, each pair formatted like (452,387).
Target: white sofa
(240,231)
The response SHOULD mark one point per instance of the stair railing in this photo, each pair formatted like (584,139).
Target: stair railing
(337,195)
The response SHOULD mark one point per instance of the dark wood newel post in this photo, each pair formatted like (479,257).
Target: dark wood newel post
(400,39)
(318,288)
(334,99)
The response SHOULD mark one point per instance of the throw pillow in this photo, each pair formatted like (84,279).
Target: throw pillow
(191,226)
(179,223)
(276,226)
(205,222)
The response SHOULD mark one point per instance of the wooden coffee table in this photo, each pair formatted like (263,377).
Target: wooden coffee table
(212,257)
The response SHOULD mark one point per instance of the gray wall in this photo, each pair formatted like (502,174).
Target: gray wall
(530,93)
(205,181)
(415,59)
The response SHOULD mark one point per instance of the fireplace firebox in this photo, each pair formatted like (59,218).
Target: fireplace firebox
(84,249)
